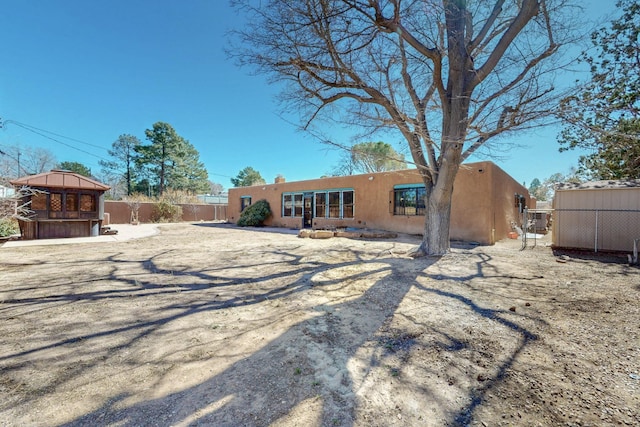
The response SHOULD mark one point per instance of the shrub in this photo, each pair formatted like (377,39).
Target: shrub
(8,227)
(255,215)
(166,212)
(178,197)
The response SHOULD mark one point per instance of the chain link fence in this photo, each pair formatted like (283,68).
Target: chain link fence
(596,229)
(534,226)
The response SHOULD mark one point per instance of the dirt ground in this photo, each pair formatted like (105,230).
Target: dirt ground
(205,324)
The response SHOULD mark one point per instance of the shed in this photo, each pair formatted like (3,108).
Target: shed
(70,205)
(597,215)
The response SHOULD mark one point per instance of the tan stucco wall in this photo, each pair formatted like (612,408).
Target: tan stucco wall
(482,209)
(120,213)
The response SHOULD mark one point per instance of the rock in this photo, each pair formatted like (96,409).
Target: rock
(348,234)
(304,233)
(512,308)
(321,234)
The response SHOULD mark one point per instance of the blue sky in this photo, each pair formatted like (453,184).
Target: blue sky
(92,71)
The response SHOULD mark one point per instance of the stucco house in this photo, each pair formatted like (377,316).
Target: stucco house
(486,202)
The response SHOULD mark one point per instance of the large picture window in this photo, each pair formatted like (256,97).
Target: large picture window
(409,200)
(326,204)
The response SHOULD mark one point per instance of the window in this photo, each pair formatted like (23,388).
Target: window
(409,200)
(347,204)
(87,203)
(56,202)
(292,204)
(326,204)
(287,205)
(71,202)
(334,204)
(39,202)
(245,201)
(321,205)
(71,205)
(297,204)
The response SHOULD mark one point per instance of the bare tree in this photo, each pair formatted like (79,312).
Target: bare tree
(215,188)
(449,75)
(16,161)
(134,202)
(17,207)
(116,182)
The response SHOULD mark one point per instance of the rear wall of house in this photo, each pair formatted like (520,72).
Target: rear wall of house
(482,207)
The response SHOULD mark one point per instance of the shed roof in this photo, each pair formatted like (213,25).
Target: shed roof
(599,185)
(60,179)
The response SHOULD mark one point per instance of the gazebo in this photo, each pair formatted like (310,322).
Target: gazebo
(67,205)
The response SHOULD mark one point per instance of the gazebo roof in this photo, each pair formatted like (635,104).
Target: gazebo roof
(60,179)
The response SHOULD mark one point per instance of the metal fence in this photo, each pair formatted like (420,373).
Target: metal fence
(596,229)
(533,224)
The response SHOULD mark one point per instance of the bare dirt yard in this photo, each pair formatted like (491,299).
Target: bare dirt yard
(219,326)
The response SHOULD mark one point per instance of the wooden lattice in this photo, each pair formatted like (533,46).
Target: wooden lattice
(56,202)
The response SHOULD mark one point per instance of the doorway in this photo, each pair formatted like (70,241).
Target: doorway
(307,211)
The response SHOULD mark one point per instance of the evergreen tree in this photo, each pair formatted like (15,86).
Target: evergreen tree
(123,152)
(247,177)
(171,161)
(75,167)
(605,115)
(369,157)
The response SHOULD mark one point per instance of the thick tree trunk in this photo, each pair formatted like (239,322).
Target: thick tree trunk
(439,195)
(435,240)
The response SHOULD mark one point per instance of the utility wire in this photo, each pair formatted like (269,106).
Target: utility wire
(31,128)
(41,132)
(38,131)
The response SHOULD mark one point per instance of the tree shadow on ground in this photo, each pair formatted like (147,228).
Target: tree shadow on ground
(308,364)
(308,361)
(263,229)
(584,255)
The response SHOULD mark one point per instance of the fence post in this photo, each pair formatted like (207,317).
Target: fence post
(596,237)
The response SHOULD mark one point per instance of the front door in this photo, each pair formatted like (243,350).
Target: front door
(307,211)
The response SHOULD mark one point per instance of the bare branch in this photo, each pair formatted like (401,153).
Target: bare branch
(528,10)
